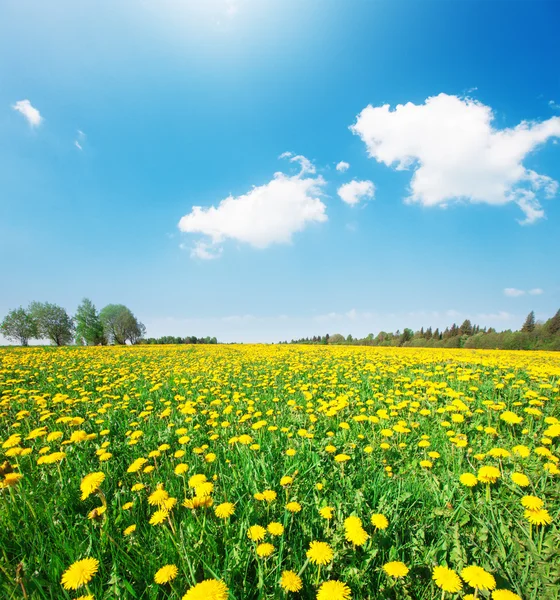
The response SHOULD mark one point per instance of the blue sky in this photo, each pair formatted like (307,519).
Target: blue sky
(138,112)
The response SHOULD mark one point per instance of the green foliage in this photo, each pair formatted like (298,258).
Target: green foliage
(53,322)
(529,325)
(19,326)
(88,324)
(120,325)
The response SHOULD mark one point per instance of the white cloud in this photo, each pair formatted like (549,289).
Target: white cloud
(356,191)
(553,105)
(342,166)
(265,215)
(32,115)
(205,251)
(305,164)
(513,292)
(81,137)
(536,292)
(457,154)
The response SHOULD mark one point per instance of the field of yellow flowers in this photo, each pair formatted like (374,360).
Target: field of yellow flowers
(252,472)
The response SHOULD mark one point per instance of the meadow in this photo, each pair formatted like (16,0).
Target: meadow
(252,472)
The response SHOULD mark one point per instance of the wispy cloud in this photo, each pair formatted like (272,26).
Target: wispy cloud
(515,293)
(32,115)
(81,136)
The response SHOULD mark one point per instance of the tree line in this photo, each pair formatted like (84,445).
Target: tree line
(533,335)
(114,324)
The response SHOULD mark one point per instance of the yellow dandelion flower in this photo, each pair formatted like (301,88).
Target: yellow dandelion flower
(293,507)
(275,528)
(488,474)
(79,573)
(447,580)
(224,510)
(290,581)
(90,484)
(129,530)
(181,468)
(539,516)
(158,497)
(504,595)
(166,574)
(532,502)
(264,550)
(334,590)
(468,479)
(478,578)
(379,521)
(256,533)
(320,553)
(520,479)
(158,517)
(196,480)
(210,589)
(341,458)
(327,512)
(395,569)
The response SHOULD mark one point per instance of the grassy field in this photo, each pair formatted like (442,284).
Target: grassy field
(189,449)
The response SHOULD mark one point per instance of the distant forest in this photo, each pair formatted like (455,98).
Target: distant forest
(532,336)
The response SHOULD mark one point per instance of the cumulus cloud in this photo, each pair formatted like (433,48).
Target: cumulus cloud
(456,153)
(265,215)
(513,292)
(32,115)
(342,166)
(356,191)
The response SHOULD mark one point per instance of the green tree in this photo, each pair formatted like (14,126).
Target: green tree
(553,324)
(88,324)
(53,322)
(406,336)
(120,325)
(529,325)
(466,328)
(19,326)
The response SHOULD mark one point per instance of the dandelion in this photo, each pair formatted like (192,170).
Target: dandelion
(264,550)
(224,510)
(539,516)
(90,484)
(158,497)
(79,573)
(478,578)
(129,530)
(166,574)
(395,569)
(504,595)
(379,521)
(286,480)
(293,507)
(326,512)
(532,502)
(488,474)
(334,590)
(159,517)
(320,553)
(290,581)
(210,589)
(269,495)
(256,533)
(275,528)
(520,479)
(447,580)
(341,458)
